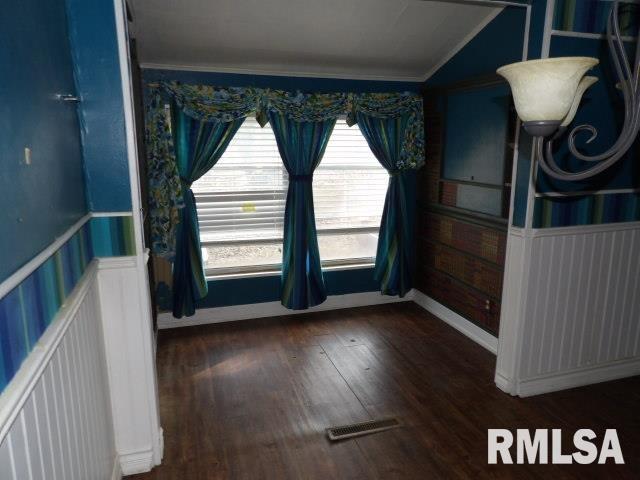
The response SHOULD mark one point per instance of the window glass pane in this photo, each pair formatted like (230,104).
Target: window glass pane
(242,255)
(334,248)
(352,246)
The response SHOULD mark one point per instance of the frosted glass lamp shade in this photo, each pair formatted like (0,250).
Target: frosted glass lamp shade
(544,90)
(584,84)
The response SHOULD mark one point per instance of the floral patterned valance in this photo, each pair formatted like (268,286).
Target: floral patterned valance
(210,103)
(213,103)
(306,107)
(389,105)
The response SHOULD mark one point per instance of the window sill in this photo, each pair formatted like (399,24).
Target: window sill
(211,275)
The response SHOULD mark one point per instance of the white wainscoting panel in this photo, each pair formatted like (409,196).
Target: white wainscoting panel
(129,352)
(55,416)
(578,318)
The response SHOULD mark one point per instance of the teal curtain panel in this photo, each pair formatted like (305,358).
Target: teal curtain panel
(301,146)
(27,310)
(199,145)
(395,256)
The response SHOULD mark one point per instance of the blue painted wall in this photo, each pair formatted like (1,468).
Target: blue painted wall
(279,82)
(499,43)
(486,110)
(42,200)
(94,44)
(226,292)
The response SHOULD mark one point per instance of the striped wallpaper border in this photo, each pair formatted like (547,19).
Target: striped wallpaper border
(590,16)
(29,308)
(586,210)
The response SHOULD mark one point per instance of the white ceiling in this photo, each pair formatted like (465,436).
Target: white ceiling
(367,39)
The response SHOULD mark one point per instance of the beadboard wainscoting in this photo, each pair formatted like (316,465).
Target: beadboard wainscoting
(55,415)
(572,309)
(128,339)
(77,389)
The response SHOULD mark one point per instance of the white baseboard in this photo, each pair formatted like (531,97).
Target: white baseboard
(158,453)
(275,309)
(464,326)
(116,473)
(503,383)
(137,462)
(578,377)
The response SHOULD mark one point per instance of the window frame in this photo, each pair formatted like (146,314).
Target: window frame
(276,268)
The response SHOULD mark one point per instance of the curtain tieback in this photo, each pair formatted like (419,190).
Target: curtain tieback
(301,178)
(395,173)
(186,183)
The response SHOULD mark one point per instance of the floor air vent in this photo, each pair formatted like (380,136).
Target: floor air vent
(364,428)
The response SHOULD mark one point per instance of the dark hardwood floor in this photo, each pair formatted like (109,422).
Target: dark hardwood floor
(251,400)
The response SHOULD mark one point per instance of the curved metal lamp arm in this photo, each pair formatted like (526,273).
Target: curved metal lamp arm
(629,81)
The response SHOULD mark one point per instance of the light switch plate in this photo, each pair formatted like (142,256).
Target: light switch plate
(27,156)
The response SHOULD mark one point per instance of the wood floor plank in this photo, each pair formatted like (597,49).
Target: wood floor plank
(252,400)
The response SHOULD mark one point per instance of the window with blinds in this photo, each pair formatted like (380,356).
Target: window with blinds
(242,197)
(241,201)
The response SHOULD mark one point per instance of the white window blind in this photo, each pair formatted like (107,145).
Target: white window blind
(241,200)
(243,196)
(349,185)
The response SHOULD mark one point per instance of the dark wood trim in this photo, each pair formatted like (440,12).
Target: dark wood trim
(489,221)
(465,253)
(472,183)
(462,313)
(464,284)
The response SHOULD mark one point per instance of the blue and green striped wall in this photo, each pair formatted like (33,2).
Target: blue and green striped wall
(28,309)
(590,16)
(586,210)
